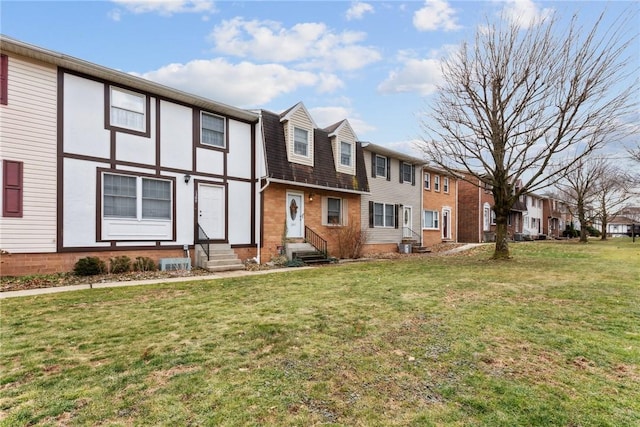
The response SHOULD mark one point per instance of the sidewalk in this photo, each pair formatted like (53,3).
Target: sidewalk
(220,275)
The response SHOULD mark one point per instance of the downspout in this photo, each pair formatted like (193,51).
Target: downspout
(259,252)
(457,213)
(480,214)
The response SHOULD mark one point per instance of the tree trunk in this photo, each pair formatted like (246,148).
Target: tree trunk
(582,218)
(603,229)
(501,250)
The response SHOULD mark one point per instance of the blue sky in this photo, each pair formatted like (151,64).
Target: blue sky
(375,63)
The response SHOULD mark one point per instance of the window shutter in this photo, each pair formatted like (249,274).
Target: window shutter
(401,168)
(4,79)
(396,215)
(12,189)
(370,214)
(388,169)
(373,165)
(413,175)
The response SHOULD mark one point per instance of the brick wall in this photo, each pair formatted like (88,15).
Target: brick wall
(469,224)
(435,201)
(274,210)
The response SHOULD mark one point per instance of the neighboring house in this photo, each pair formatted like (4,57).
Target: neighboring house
(618,226)
(439,206)
(476,218)
(312,181)
(556,217)
(99,162)
(392,211)
(533,217)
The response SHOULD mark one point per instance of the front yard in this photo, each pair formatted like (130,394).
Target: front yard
(551,337)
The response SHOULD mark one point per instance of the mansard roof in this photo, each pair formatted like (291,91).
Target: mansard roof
(323,174)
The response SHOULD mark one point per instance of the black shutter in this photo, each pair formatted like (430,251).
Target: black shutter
(388,168)
(373,165)
(397,215)
(401,164)
(413,175)
(370,214)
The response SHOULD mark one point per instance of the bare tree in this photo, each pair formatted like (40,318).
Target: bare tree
(613,189)
(519,100)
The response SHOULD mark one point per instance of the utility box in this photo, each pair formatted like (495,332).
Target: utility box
(404,248)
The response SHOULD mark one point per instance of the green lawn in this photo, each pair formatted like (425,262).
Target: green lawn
(550,338)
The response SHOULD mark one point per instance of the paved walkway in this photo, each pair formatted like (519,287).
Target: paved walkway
(220,275)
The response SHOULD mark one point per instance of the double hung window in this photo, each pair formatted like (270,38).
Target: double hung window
(431,219)
(212,130)
(301,142)
(136,197)
(128,109)
(345,153)
(383,215)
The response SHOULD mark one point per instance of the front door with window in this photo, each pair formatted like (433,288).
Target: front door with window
(295,215)
(406,221)
(211,210)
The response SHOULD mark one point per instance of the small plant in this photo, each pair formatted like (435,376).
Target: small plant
(120,264)
(89,266)
(296,262)
(351,239)
(143,263)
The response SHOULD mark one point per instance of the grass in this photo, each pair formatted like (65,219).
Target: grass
(550,338)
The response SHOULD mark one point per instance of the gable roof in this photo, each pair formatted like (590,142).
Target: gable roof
(322,174)
(8,44)
(286,115)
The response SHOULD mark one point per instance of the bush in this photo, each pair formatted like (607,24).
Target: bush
(120,264)
(350,239)
(594,232)
(296,262)
(143,263)
(89,266)
(570,231)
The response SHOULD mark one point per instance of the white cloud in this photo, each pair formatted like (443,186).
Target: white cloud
(311,45)
(357,10)
(326,116)
(525,13)
(244,84)
(416,75)
(166,7)
(435,15)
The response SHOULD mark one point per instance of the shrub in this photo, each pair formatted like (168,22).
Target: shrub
(89,266)
(143,263)
(594,232)
(351,239)
(570,231)
(120,264)
(296,262)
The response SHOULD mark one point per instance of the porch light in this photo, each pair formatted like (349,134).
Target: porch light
(187,178)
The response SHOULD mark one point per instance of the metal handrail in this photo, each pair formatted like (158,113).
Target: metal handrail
(202,239)
(315,240)
(413,233)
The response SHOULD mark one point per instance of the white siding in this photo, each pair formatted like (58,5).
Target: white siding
(391,192)
(176,134)
(301,120)
(345,134)
(83,129)
(210,161)
(28,134)
(239,159)
(135,148)
(239,212)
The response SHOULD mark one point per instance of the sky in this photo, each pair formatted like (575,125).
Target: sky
(376,63)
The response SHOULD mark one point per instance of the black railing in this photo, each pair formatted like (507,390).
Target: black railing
(413,234)
(315,240)
(203,240)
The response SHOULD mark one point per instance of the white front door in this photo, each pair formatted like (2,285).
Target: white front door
(406,221)
(211,210)
(295,215)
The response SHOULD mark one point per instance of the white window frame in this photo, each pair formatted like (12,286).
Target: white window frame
(436,183)
(434,223)
(445,184)
(346,154)
(223,133)
(120,112)
(378,158)
(342,213)
(427,181)
(140,198)
(404,165)
(298,143)
(386,207)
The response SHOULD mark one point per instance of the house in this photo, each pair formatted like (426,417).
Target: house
(392,211)
(619,225)
(96,162)
(476,219)
(533,217)
(311,183)
(556,217)
(439,206)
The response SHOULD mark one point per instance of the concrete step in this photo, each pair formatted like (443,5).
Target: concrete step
(219,262)
(226,268)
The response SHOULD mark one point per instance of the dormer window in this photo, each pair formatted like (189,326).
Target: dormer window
(345,153)
(301,142)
